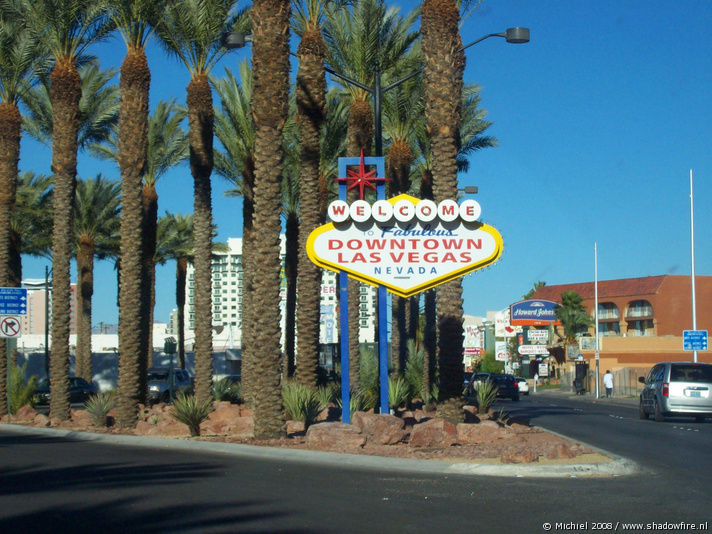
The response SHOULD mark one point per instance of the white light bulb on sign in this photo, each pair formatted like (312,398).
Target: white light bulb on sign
(403,210)
(470,210)
(382,211)
(448,210)
(338,211)
(360,211)
(426,210)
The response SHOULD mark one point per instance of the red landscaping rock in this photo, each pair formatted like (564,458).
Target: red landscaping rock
(433,433)
(483,432)
(81,417)
(40,420)
(340,436)
(26,413)
(519,455)
(382,429)
(245,411)
(560,450)
(295,427)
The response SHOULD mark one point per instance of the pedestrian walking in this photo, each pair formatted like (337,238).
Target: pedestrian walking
(608,383)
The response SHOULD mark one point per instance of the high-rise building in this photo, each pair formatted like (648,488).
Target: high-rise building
(34,322)
(228,284)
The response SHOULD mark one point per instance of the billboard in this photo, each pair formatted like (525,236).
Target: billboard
(405,244)
(535,312)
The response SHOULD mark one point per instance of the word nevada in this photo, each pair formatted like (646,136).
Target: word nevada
(405,244)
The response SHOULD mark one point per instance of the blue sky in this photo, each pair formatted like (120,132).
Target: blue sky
(599,120)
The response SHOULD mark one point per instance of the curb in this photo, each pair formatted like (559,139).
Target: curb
(617,467)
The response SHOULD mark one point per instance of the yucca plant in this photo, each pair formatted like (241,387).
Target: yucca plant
(21,393)
(99,406)
(485,395)
(326,394)
(300,403)
(191,412)
(414,369)
(359,401)
(226,389)
(398,392)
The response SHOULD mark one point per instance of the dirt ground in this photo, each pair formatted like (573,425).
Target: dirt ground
(489,438)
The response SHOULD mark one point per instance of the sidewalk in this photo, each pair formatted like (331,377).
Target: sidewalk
(589,397)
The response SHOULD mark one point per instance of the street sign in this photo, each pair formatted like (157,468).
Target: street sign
(694,340)
(13,301)
(10,327)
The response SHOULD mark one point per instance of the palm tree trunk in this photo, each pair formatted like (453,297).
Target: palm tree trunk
(270,59)
(85,272)
(358,137)
(200,118)
(291,268)
(430,332)
(181,270)
(133,146)
(149,203)
(444,64)
(66,92)
(247,343)
(10,124)
(311,109)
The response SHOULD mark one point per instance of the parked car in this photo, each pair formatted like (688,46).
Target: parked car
(79,390)
(159,384)
(677,388)
(522,384)
(506,386)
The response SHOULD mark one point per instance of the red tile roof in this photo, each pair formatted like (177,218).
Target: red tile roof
(648,285)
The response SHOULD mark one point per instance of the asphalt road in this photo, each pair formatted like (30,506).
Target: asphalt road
(53,484)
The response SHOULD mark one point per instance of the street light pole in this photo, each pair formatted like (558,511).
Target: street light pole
(46,310)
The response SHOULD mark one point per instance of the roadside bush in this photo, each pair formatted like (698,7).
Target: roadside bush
(227,390)
(300,403)
(327,394)
(99,406)
(21,393)
(485,395)
(414,367)
(398,392)
(189,411)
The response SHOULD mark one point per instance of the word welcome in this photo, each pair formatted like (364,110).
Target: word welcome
(404,210)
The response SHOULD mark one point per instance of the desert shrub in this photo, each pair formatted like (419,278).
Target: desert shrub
(369,370)
(398,392)
(300,403)
(99,406)
(485,395)
(327,394)
(191,412)
(414,367)
(227,390)
(21,393)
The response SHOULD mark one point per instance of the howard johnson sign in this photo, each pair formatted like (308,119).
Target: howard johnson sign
(533,313)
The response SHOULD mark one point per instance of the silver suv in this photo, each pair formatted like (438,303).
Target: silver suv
(159,385)
(677,388)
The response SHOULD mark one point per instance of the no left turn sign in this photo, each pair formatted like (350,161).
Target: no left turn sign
(10,326)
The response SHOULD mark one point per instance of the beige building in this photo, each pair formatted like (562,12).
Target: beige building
(34,322)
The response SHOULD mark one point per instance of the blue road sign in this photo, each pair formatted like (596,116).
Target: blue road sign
(13,301)
(694,340)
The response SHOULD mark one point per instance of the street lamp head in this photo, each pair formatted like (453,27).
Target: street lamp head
(232,40)
(517,35)
(469,189)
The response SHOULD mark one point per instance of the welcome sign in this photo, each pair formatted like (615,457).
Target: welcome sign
(405,244)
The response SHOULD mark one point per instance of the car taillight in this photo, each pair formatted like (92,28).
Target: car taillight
(666,389)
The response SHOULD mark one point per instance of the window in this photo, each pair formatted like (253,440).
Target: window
(608,310)
(609,329)
(640,308)
(640,328)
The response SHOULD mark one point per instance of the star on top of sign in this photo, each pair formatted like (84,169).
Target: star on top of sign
(361,178)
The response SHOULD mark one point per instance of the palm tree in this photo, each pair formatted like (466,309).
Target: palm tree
(357,39)
(191,30)
(235,129)
(270,60)
(167,147)
(572,314)
(133,19)
(444,63)
(66,29)
(175,241)
(96,226)
(31,222)
(310,94)
(18,55)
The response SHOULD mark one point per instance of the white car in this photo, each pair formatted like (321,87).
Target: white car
(522,384)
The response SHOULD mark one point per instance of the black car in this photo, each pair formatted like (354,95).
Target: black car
(507,387)
(79,390)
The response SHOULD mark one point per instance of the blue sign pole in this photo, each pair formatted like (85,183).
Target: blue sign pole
(383,327)
(344,324)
